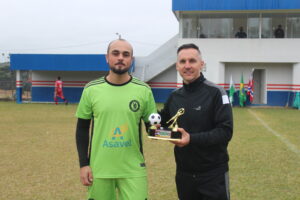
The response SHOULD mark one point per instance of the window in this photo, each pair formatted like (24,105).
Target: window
(253,25)
(241,25)
(215,26)
(266,27)
(293,26)
(271,23)
(189,26)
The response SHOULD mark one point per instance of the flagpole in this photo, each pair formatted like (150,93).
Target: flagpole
(250,91)
(231,91)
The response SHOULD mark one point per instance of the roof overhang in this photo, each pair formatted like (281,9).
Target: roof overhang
(58,62)
(233,5)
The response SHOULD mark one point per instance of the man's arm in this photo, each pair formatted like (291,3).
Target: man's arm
(82,142)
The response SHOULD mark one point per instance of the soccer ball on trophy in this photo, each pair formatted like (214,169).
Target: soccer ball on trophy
(154,118)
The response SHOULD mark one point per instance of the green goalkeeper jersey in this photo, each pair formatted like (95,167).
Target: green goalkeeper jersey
(116,111)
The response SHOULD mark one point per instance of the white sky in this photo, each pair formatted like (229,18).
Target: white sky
(84,26)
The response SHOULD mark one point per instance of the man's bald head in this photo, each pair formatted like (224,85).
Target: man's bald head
(116,41)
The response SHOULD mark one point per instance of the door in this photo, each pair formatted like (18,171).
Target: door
(259,79)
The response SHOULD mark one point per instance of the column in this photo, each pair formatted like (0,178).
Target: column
(19,87)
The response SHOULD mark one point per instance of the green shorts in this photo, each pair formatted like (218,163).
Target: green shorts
(123,188)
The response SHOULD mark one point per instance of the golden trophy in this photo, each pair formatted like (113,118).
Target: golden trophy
(170,133)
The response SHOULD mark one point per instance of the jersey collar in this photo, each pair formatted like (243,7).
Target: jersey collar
(117,84)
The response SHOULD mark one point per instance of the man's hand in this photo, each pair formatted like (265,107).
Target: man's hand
(185,138)
(86,176)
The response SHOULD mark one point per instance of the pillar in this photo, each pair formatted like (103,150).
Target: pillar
(19,87)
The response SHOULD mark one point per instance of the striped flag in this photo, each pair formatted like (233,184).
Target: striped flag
(250,91)
(242,94)
(296,103)
(231,90)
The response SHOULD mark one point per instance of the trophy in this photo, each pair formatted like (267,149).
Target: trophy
(170,133)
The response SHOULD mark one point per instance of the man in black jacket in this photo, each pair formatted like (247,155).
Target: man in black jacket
(206,127)
(279,32)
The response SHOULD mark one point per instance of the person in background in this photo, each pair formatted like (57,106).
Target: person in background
(58,91)
(279,32)
(114,166)
(241,33)
(206,126)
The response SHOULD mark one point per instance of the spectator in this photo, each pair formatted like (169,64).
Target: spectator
(279,32)
(241,33)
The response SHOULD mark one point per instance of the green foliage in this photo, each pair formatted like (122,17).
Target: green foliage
(5,73)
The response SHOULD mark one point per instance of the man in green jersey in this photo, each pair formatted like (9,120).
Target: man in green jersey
(116,104)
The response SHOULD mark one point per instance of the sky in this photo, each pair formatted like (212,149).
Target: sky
(83,26)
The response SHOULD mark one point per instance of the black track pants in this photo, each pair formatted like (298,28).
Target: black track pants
(202,187)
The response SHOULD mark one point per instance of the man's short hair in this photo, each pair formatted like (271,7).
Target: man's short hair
(120,39)
(188,46)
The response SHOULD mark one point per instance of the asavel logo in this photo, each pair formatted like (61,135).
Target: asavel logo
(117,138)
(134,105)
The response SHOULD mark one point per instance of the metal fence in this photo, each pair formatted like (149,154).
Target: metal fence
(8,91)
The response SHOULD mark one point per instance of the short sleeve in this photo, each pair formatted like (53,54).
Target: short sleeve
(84,109)
(150,105)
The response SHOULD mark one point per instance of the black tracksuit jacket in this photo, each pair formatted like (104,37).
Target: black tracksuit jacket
(208,119)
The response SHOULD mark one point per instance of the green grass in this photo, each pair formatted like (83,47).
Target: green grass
(39,159)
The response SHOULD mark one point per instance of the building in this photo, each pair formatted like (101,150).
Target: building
(213,26)
(75,71)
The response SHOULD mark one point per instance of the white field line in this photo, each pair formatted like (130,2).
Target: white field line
(291,146)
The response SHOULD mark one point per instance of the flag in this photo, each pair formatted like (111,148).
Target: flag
(296,103)
(231,90)
(242,94)
(250,91)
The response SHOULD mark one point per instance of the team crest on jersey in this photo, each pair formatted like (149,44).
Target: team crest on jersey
(134,105)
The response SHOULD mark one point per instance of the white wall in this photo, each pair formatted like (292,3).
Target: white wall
(170,75)
(70,78)
(216,52)
(66,75)
(296,74)
(276,73)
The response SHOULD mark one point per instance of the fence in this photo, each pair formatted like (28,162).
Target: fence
(8,91)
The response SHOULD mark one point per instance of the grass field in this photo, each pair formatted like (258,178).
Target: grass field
(39,158)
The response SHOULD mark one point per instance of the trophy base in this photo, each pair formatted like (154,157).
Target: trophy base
(160,138)
(164,134)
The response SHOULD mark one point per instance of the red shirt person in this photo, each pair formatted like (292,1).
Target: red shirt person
(59,91)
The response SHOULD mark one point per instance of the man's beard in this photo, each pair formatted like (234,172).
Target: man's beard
(119,71)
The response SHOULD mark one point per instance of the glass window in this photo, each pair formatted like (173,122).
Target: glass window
(266,27)
(253,25)
(241,25)
(273,25)
(239,28)
(215,26)
(189,26)
(203,28)
(293,26)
